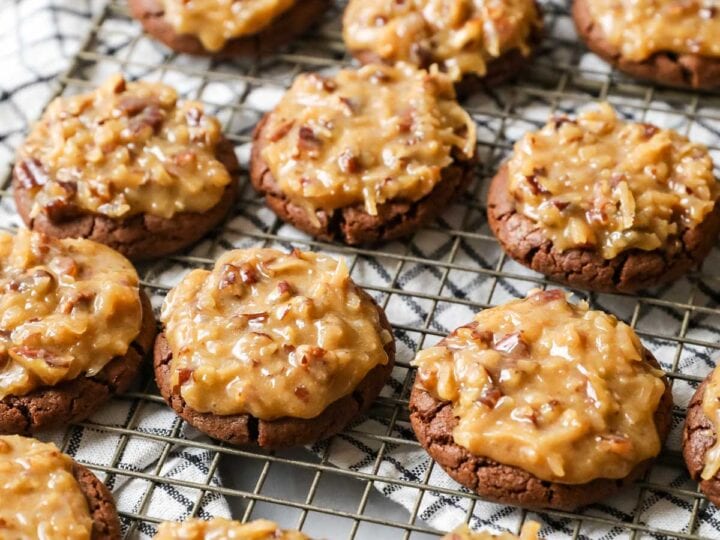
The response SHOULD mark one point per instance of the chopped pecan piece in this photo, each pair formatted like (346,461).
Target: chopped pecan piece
(512,344)
(132,105)
(649,130)
(548,296)
(285,288)
(617,444)
(30,173)
(66,266)
(307,141)
(348,162)
(490,396)
(301,392)
(151,117)
(184,375)
(560,205)
(260,316)
(193,116)
(282,130)
(50,358)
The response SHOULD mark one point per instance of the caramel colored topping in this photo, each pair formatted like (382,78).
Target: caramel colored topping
(41,498)
(529,531)
(457,36)
(711,408)
(271,334)
(550,387)
(123,149)
(602,183)
(224,529)
(641,28)
(215,22)
(365,136)
(67,307)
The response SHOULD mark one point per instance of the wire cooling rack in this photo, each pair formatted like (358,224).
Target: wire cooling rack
(374,480)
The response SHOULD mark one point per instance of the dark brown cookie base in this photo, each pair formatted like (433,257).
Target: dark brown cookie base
(140,237)
(433,422)
(681,70)
(630,271)
(698,437)
(243,429)
(106,523)
(353,225)
(75,400)
(282,31)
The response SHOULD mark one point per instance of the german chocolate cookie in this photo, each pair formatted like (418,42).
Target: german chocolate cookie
(272,349)
(126,165)
(541,403)
(475,43)
(666,41)
(227,29)
(47,495)
(343,158)
(220,529)
(74,331)
(604,204)
(700,440)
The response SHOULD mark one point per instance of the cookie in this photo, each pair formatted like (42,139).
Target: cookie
(475,45)
(700,438)
(198,529)
(272,349)
(529,531)
(654,41)
(48,495)
(75,331)
(126,165)
(526,379)
(643,220)
(105,520)
(203,28)
(360,166)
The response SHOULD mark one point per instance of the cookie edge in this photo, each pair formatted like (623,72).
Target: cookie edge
(101,504)
(287,432)
(631,271)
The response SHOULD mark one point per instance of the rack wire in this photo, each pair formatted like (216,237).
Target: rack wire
(443,274)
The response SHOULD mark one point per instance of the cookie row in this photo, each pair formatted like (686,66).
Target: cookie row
(46,494)
(596,202)
(476,44)
(282,349)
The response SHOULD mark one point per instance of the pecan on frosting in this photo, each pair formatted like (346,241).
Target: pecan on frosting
(554,388)
(365,137)
(603,183)
(271,334)
(124,149)
(67,307)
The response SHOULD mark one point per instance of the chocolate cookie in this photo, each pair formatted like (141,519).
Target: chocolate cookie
(429,37)
(281,31)
(350,219)
(75,400)
(593,266)
(699,436)
(665,67)
(64,202)
(512,369)
(288,339)
(106,523)
(243,429)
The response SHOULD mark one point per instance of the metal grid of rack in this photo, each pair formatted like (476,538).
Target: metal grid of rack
(460,269)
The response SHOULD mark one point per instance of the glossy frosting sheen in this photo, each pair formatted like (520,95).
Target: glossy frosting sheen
(67,307)
(604,183)
(215,22)
(271,334)
(457,36)
(641,28)
(365,136)
(551,387)
(41,498)
(224,529)
(123,149)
